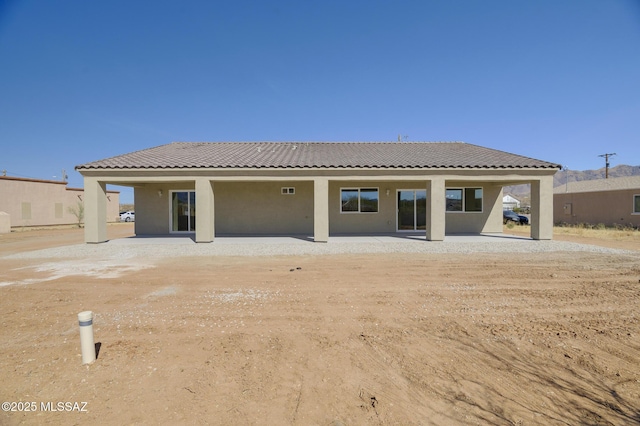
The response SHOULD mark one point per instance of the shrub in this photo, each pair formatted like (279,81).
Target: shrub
(78,212)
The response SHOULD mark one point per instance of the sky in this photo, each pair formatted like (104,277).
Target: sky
(555,80)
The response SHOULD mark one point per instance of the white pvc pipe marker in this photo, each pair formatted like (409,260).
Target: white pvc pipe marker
(85,320)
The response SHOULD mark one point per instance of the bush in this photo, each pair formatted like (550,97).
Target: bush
(78,212)
(625,227)
(600,226)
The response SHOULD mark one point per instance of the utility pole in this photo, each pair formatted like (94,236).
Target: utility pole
(606,163)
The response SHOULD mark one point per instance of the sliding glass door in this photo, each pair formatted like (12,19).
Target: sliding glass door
(412,209)
(183,211)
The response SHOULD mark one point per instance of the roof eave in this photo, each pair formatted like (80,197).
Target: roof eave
(443,167)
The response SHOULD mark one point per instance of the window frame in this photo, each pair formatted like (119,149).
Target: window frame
(474,188)
(463,200)
(288,190)
(446,192)
(633,207)
(191,208)
(359,198)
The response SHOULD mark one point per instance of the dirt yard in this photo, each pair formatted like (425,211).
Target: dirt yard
(395,339)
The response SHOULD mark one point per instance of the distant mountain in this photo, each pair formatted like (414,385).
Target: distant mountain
(523,192)
(622,170)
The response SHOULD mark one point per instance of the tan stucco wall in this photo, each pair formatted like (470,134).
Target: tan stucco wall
(240,207)
(606,207)
(489,220)
(44,203)
(354,223)
(260,208)
(152,210)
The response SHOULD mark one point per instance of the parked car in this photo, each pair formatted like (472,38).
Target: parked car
(511,216)
(127,216)
(523,220)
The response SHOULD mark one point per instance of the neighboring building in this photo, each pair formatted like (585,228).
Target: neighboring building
(510,203)
(34,202)
(317,189)
(613,201)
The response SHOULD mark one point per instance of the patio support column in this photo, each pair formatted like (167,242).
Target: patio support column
(95,210)
(436,208)
(205,220)
(542,208)
(321,210)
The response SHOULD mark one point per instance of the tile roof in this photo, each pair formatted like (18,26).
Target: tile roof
(597,185)
(430,155)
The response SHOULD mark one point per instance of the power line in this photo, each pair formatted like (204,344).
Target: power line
(606,163)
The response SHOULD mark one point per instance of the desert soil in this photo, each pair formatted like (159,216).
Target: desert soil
(396,339)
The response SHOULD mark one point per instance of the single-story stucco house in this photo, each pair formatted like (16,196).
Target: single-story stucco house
(317,189)
(612,201)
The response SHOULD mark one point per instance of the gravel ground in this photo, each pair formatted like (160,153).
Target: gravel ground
(114,250)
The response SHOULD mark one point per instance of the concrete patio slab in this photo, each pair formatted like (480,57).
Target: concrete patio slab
(407,238)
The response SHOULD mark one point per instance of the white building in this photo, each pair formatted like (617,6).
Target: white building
(510,203)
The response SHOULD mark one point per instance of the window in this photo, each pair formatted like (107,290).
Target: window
(26,211)
(464,199)
(287,190)
(454,200)
(182,211)
(359,200)
(636,204)
(58,210)
(473,199)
